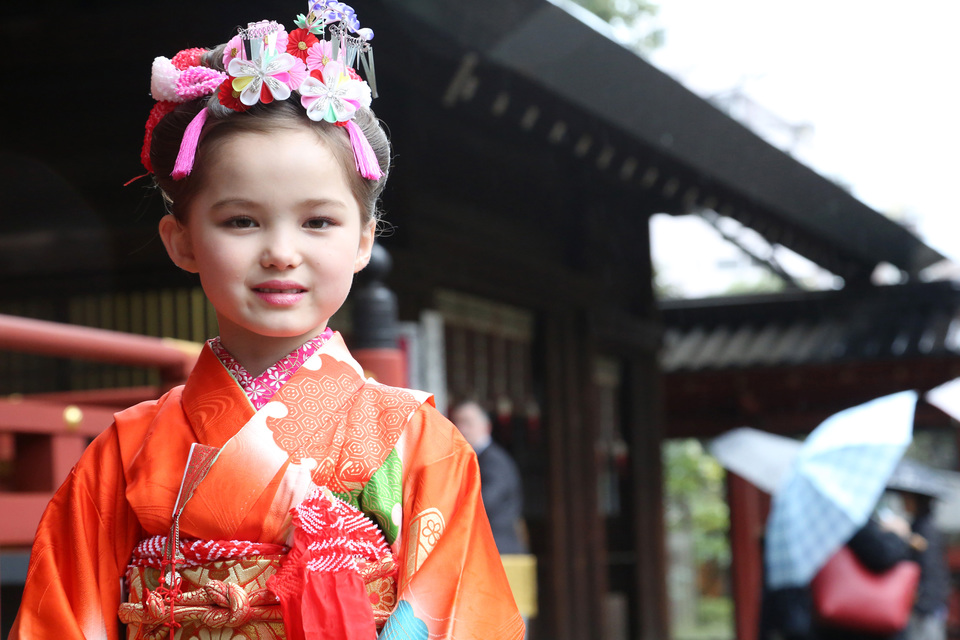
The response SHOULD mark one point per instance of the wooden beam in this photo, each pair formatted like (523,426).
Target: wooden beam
(646,439)
(574,580)
(579,487)
(623,331)
(788,400)
(557,614)
(748,513)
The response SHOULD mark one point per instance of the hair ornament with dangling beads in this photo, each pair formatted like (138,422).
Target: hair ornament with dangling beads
(264,63)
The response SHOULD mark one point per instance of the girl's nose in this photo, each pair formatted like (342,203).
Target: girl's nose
(281,252)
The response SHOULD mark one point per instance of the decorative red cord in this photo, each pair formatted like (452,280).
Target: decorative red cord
(169,592)
(159,110)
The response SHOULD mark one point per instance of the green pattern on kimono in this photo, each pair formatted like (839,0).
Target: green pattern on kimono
(351,497)
(382,497)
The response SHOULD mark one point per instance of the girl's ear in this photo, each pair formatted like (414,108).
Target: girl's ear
(367,236)
(176,239)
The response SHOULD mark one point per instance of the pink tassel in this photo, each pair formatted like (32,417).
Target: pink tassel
(188,146)
(367,163)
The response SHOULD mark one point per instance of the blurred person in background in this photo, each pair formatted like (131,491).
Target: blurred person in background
(500,484)
(929,618)
(788,613)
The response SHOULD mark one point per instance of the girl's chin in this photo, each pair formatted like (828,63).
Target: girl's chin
(292,334)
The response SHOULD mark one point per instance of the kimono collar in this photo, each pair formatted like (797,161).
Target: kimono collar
(261,388)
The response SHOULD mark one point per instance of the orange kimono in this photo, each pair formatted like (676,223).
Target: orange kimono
(327,434)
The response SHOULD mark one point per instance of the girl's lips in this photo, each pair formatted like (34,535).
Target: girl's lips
(281,293)
(281,298)
(283,286)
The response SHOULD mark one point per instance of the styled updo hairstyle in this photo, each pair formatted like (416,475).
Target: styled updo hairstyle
(222,122)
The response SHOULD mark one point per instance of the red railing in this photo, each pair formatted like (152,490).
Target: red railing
(43,435)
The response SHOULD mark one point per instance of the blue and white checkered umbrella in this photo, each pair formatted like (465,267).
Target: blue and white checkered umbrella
(833,486)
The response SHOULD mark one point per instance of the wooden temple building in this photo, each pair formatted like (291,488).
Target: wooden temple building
(531,151)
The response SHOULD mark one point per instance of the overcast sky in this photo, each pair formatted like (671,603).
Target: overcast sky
(875,81)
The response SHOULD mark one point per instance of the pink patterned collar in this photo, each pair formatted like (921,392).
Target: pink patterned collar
(260,389)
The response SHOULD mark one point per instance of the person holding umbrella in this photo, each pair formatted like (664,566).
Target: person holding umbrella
(918,486)
(824,502)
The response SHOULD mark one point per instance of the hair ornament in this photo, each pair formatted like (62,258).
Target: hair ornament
(263,79)
(332,94)
(163,80)
(173,82)
(363,154)
(188,146)
(180,85)
(264,63)
(157,114)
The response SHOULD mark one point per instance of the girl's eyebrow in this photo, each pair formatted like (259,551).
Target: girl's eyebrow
(309,203)
(232,202)
(322,202)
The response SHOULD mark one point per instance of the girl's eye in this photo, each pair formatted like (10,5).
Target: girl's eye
(241,222)
(317,223)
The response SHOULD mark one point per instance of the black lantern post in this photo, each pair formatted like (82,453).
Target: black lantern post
(375,323)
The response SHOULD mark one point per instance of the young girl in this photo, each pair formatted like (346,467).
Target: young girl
(278,494)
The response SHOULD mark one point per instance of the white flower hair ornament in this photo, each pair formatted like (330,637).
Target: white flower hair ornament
(264,79)
(264,63)
(334,95)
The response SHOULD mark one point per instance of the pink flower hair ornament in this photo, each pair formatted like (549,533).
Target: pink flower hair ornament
(261,69)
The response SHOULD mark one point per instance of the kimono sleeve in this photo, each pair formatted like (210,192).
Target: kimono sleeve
(451,583)
(80,552)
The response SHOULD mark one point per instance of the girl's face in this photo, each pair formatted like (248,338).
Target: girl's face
(276,236)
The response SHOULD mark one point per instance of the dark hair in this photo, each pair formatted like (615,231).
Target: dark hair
(223,122)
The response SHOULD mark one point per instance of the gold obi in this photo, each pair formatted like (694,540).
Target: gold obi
(218,600)
(228,599)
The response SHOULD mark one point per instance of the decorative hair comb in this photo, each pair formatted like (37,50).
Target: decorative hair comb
(265,63)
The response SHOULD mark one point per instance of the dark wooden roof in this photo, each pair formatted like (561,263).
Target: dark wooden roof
(785,362)
(663,136)
(876,323)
